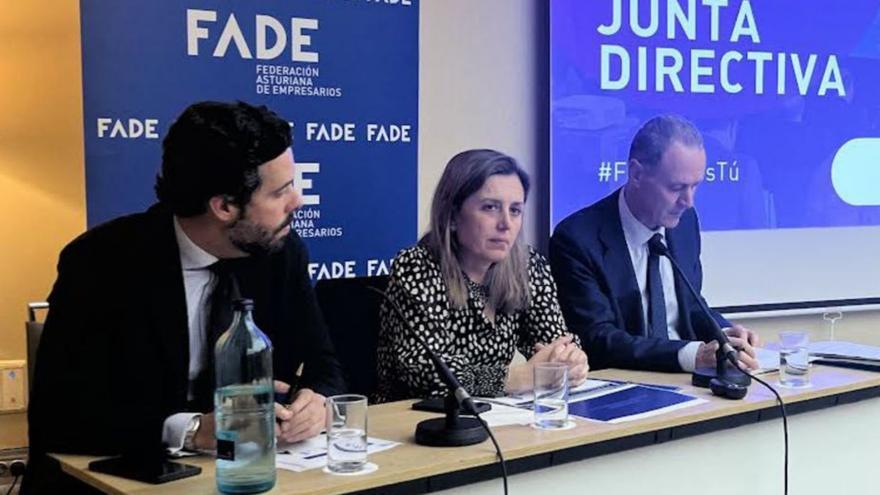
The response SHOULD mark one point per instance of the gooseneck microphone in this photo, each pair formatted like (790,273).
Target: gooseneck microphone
(656,246)
(461,395)
(452,430)
(723,380)
(726,384)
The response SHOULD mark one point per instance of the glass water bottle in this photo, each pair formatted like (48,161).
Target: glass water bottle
(244,405)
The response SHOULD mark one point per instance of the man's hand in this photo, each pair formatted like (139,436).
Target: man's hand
(741,338)
(706,354)
(205,437)
(744,333)
(301,419)
(745,341)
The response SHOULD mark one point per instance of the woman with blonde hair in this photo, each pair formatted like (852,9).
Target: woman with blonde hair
(473,291)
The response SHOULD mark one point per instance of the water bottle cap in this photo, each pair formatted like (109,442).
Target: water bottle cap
(243,304)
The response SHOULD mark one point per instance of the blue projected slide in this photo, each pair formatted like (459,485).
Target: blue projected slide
(784,91)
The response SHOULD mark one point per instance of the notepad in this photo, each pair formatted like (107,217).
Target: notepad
(630,403)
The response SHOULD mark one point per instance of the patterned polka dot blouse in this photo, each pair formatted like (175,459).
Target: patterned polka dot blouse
(477,350)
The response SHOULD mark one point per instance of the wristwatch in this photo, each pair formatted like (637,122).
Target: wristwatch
(190,434)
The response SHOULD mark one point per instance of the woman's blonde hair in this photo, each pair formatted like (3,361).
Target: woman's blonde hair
(507,280)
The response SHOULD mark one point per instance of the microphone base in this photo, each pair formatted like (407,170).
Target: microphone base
(435,432)
(702,376)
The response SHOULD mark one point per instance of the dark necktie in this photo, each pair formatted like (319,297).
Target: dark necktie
(656,301)
(225,293)
(219,318)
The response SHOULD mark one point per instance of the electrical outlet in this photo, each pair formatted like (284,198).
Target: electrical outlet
(12,461)
(12,387)
(11,468)
(17,467)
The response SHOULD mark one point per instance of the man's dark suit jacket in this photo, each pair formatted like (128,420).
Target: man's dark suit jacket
(114,355)
(600,296)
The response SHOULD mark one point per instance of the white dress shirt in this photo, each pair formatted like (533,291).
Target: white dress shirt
(199,283)
(637,236)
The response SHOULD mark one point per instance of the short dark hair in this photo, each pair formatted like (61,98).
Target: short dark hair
(655,136)
(215,148)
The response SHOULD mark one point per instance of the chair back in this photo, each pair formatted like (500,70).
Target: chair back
(33,331)
(351,311)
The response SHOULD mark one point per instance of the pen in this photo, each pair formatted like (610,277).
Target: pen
(283,398)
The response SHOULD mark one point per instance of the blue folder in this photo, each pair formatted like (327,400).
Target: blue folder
(627,402)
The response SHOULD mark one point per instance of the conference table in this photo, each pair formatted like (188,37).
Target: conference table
(720,446)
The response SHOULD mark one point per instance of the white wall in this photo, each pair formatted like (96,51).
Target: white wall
(478,73)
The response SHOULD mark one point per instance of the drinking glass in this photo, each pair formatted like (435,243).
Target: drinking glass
(346,433)
(551,395)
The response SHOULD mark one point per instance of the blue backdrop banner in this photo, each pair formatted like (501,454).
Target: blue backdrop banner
(343,72)
(783,91)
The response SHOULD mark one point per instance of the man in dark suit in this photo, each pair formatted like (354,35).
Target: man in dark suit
(626,304)
(127,343)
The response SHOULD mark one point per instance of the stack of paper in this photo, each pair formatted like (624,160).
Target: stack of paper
(631,402)
(846,354)
(599,400)
(525,399)
(312,453)
(831,352)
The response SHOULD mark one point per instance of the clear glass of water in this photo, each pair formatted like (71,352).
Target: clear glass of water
(346,433)
(551,395)
(794,359)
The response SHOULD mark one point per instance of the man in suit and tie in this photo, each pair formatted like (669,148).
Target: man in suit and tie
(124,364)
(625,302)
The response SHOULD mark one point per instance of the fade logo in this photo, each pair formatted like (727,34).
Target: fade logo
(302,184)
(203,25)
(127,128)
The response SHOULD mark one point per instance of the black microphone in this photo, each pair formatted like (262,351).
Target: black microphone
(723,381)
(452,430)
(656,246)
(461,395)
(726,384)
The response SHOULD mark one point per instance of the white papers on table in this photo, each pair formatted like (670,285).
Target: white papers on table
(768,357)
(312,453)
(839,349)
(502,414)
(768,360)
(526,398)
(598,400)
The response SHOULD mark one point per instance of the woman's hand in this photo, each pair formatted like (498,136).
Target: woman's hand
(570,354)
(520,378)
